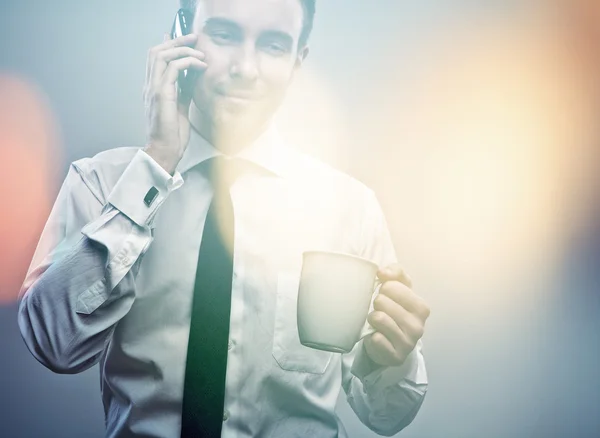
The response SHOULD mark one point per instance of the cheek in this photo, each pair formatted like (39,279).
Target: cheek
(277,74)
(216,60)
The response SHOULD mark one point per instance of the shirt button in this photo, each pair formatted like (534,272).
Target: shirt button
(125,261)
(230,345)
(226,415)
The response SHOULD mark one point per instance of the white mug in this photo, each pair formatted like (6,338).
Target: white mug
(334,298)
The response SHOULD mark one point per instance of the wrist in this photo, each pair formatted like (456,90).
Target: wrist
(164,157)
(372,364)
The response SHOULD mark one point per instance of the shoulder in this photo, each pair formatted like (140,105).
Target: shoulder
(346,207)
(319,177)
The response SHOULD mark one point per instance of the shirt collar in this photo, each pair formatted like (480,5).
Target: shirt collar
(268,152)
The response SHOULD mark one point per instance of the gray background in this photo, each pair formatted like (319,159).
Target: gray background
(509,355)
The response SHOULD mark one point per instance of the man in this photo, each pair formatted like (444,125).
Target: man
(135,240)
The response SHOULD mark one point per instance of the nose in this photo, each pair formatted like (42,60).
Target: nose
(244,66)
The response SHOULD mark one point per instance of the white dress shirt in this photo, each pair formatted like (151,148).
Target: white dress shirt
(112,280)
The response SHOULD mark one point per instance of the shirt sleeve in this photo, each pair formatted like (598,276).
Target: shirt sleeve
(385,399)
(81,279)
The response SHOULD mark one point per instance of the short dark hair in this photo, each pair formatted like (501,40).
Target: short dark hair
(309,7)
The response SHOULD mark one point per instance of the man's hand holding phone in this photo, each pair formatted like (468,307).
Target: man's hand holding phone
(166,110)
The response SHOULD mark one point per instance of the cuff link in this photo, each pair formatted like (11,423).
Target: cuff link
(150,196)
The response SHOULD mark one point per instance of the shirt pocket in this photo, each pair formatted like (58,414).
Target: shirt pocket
(289,353)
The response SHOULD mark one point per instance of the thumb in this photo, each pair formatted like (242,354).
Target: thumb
(394,272)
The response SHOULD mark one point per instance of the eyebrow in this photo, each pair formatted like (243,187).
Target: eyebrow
(225,22)
(218,21)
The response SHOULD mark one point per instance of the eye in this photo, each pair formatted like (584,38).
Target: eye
(222,37)
(275,49)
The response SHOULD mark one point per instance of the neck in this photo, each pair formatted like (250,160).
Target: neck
(228,139)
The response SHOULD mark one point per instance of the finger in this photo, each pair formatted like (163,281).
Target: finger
(169,55)
(154,71)
(164,58)
(151,56)
(406,297)
(172,73)
(149,64)
(394,272)
(409,324)
(169,43)
(384,324)
(384,346)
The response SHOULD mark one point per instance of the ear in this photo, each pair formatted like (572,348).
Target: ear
(302,55)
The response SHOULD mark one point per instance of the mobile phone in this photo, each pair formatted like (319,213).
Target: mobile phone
(182,25)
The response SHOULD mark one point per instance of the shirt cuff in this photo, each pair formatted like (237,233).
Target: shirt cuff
(142,188)
(375,377)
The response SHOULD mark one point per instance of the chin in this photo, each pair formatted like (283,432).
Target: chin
(239,122)
(232,121)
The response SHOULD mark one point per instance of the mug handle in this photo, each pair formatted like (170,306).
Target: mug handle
(368,329)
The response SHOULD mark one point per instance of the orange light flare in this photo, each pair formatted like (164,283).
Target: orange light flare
(580,22)
(581,19)
(29,157)
(481,178)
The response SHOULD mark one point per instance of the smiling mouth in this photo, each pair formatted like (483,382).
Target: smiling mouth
(240,96)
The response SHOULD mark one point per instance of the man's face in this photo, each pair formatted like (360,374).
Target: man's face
(251,49)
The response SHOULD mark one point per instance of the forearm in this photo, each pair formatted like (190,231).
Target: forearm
(387,399)
(68,312)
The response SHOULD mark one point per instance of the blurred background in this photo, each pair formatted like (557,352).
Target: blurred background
(476,123)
